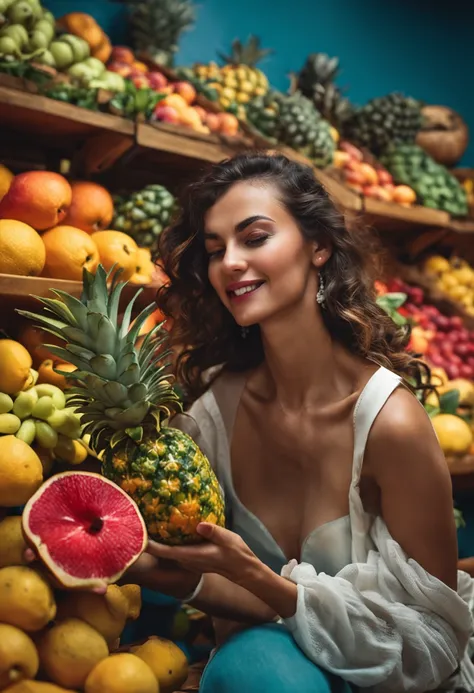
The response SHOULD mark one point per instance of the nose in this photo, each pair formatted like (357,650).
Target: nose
(233,260)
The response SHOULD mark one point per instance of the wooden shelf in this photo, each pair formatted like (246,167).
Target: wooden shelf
(173,140)
(390,216)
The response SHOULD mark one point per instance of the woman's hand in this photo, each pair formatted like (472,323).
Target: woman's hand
(223,552)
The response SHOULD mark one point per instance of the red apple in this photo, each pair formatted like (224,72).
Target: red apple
(351,150)
(157,80)
(141,82)
(355,177)
(465,371)
(452,371)
(167,114)
(122,54)
(120,68)
(384,177)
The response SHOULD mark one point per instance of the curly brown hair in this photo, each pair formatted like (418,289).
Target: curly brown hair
(207,332)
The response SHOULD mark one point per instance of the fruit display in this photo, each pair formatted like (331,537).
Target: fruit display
(167,661)
(91,208)
(388,120)
(122,672)
(434,185)
(156,26)
(85,26)
(454,277)
(68,252)
(144,214)
(37,198)
(316,81)
(91,73)
(293,121)
(369,179)
(124,396)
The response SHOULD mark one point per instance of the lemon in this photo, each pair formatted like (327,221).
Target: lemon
(454,435)
(15,364)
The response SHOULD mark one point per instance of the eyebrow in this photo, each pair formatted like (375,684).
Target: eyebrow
(242,225)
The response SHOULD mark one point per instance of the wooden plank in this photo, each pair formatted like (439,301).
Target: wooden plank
(23,111)
(390,216)
(174,141)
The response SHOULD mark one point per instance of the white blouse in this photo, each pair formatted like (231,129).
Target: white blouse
(365,611)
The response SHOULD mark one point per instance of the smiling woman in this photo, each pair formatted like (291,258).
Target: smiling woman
(338,498)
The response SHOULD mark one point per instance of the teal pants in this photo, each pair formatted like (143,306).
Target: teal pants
(266,658)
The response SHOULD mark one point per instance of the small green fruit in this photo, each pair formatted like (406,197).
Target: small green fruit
(6,403)
(46,28)
(80,47)
(21,12)
(38,40)
(17,32)
(49,17)
(62,54)
(46,58)
(8,46)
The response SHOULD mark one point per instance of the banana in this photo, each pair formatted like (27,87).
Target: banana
(6,403)
(45,435)
(44,408)
(25,402)
(9,423)
(27,431)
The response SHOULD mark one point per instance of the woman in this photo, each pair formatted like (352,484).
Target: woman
(340,518)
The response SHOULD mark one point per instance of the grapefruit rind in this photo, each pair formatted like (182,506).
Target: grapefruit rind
(41,548)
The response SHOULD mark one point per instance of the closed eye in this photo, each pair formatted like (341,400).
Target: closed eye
(256,241)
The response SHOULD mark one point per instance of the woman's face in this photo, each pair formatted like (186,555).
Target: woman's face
(260,265)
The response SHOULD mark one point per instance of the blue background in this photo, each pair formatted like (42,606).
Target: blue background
(423,48)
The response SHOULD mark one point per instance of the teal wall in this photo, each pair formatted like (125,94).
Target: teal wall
(412,46)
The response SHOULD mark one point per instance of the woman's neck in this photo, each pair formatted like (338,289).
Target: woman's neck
(301,359)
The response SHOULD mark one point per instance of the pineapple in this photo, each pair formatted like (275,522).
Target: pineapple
(144,214)
(124,396)
(391,119)
(239,81)
(293,120)
(157,25)
(316,81)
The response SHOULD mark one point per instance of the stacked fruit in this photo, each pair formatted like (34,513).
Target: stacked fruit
(85,26)
(73,221)
(370,180)
(453,276)
(144,213)
(434,185)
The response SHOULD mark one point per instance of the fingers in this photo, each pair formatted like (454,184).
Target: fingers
(100,589)
(218,535)
(161,550)
(29,555)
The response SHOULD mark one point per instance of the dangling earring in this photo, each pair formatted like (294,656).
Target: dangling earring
(244,332)
(320,295)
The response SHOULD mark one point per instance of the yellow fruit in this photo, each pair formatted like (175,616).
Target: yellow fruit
(12,543)
(22,250)
(107,613)
(458,292)
(18,656)
(21,472)
(15,364)
(70,451)
(47,374)
(454,435)
(133,594)
(68,252)
(436,264)
(438,376)
(464,275)
(26,599)
(122,673)
(70,650)
(116,248)
(37,687)
(6,177)
(167,660)
(448,282)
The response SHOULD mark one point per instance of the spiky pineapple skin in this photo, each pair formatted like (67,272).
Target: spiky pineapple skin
(171,481)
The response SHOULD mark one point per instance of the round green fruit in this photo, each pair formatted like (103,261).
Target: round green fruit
(46,58)
(8,46)
(45,27)
(17,32)
(62,54)
(21,12)
(80,47)
(38,40)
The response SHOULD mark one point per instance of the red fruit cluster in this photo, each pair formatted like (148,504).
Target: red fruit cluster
(442,339)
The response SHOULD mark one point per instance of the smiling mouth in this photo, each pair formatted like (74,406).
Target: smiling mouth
(243,290)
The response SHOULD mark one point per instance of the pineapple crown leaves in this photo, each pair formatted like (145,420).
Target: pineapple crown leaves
(249,53)
(119,387)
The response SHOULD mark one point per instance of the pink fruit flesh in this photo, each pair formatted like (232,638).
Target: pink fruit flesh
(85,528)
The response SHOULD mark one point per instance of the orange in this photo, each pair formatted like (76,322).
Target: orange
(68,252)
(116,248)
(46,373)
(144,267)
(34,339)
(15,364)
(37,198)
(22,251)
(119,673)
(92,207)
(6,177)
(229,125)
(186,90)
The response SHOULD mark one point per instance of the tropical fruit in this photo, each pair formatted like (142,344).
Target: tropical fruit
(121,673)
(22,250)
(124,395)
(37,198)
(70,650)
(81,514)
(92,207)
(12,542)
(294,121)
(68,252)
(144,267)
(316,81)
(454,434)
(144,214)
(15,364)
(28,686)
(18,656)
(167,661)
(106,613)
(391,119)
(156,26)
(116,248)
(21,471)
(26,599)
(434,185)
